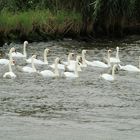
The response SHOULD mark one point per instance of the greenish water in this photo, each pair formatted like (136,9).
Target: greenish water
(87,108)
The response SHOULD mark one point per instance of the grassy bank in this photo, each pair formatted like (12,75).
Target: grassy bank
(36,25)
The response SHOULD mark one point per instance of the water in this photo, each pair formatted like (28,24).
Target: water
(86,108)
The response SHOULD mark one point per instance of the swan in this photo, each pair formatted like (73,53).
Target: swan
(6,61)
(115,59)
(109,77)
(130,68)
(48,73)
(39,62)
(9,74)
(69,59)
(64,64)
(20,55)
(30,69)
(95,63)
(75,74)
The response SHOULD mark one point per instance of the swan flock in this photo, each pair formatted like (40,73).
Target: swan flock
(68,69)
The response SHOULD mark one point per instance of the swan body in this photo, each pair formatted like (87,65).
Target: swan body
(9,74)
(71,74)
(6,61)
(109,77)
(30,69)
(72,66)
(40,62)
(115,59)
(60,66)
(95,63)
(130,68)
(20,55)
(48,73)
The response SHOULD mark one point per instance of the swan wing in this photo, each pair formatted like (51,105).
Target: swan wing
(47,73)
(69,75)
(99,64)
(9,75)
(4,61)
(28,69)
(107,77)
(17,54)
(130,68)
(114,60)
(60,66)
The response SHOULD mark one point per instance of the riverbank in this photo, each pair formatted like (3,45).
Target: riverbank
(38,25)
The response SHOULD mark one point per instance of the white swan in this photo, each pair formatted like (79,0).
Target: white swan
(70,61)
(30,69)
(64,64)
(115,59)
(9,74)
(95,63)
(39,62)
(6,61)
(48,73)
(109,77)
(20,55)
(75,74)
(130,68)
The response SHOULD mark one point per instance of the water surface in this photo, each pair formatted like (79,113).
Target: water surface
(35,108)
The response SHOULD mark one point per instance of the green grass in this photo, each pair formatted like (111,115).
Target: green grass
(25,21)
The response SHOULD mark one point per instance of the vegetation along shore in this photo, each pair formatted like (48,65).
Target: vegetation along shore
(35,20)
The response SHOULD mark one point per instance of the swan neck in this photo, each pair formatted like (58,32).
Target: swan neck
(10,56)
(24,50)
(83,58)
(113,71)
(10,67)
(117,54)
(56,69)
(69,58)
(108,62)
(32,62)
(45,57)
(76,68)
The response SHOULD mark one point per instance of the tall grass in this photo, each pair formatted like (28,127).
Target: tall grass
(40,22)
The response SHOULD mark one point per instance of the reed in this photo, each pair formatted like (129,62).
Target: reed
(39,22)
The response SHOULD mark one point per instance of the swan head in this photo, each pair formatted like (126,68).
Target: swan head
(117,48)
(13,49)
(57,60)
(26,43)
(47,50)
(109,51)
(72,54)
(84,51)
(34,56)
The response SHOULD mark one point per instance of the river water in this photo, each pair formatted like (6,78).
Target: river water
(86,108)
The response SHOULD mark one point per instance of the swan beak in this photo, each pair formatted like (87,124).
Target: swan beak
(72,54)
(59,61)
(13,62)
(80,60)
(15,51)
